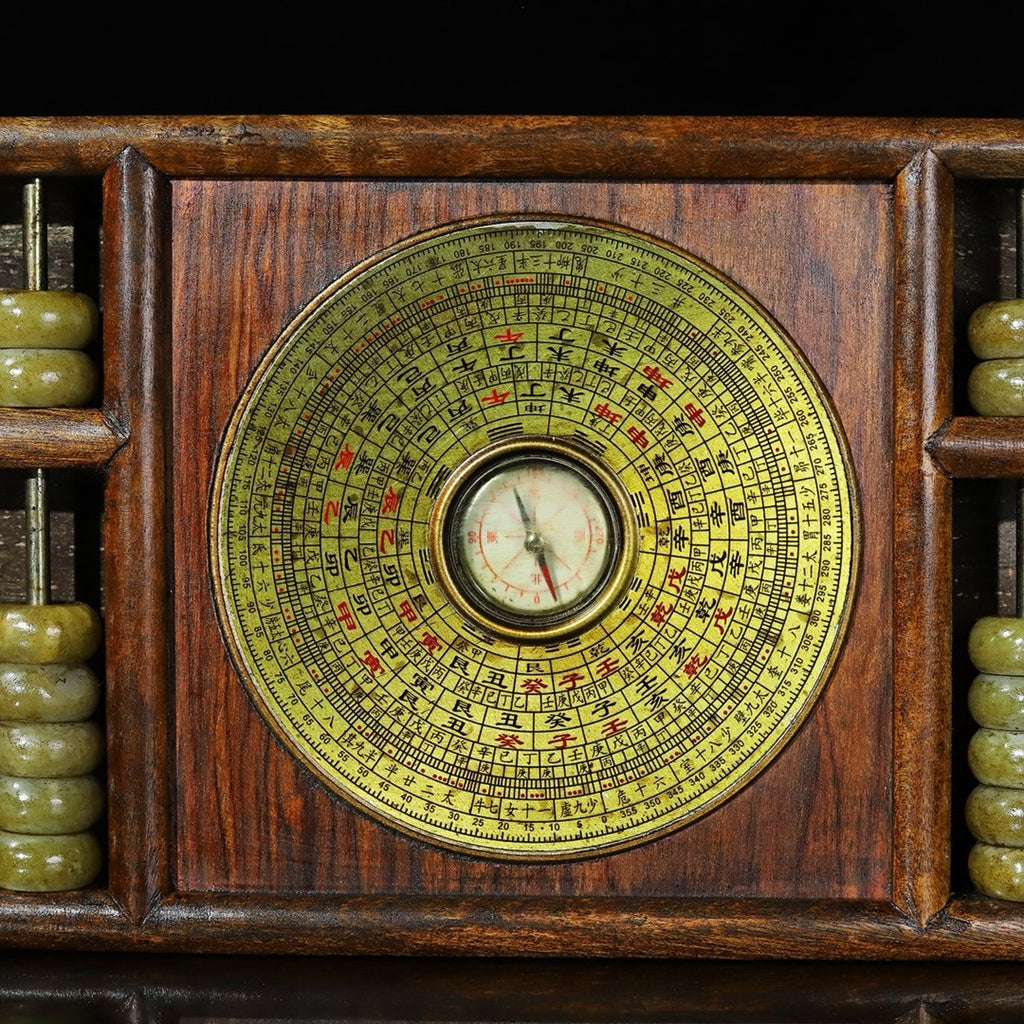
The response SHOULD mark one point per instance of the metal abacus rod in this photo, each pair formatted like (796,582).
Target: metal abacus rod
(50,797)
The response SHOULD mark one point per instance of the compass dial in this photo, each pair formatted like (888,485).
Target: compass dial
(534,539)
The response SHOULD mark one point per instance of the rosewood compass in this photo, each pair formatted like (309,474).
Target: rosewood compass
(534,538)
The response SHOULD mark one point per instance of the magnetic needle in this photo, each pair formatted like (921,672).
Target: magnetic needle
(534,538)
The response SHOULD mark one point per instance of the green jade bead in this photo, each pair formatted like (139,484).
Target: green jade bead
(995,815)
(45,319)
(46,634)
(996,645)
(996,757)
(48,693)
(50,750)
(996,329)
(48,863)
(996,387)
(50,806)
(995,702)
(997,871)
(37,378)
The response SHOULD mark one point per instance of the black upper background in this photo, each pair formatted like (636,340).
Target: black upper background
(518,57)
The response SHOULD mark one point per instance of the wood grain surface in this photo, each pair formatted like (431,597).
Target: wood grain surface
(248,256)
(217,231)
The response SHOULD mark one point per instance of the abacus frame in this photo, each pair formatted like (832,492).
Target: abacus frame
(126,438)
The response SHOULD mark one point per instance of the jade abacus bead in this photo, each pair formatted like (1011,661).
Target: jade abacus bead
(50,806)
(48,863)
(996,757)
(995,814)
(45,319)
(996,645)
(45,634)
(995,702)
(996,329)
(996,387)
(46,378)
(48,750)
(997,871)
(47,693)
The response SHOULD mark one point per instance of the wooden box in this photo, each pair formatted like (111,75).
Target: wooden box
(870,240)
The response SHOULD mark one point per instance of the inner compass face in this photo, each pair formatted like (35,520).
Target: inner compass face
(534,539)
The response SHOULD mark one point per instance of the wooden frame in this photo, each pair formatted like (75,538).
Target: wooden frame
(129,439)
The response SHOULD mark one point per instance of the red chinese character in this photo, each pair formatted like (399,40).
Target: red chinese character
(372,662)
(638,436)
(602,409)
(509,740)
(607,666)
(654,373)
(721,617)
(495,397)
(390,502)
(674,578)
(508,338)
(345,616)
(694,665)
(332,509)
(612,727)
(562,740)
(386,537)
(345,457)
(431,642)
(407,612)
(570,679)
(661,613)
(695,415)
(534,685)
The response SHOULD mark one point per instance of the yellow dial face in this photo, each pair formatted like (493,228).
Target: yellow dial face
(534,539)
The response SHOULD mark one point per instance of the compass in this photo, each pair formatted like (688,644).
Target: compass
(534,538)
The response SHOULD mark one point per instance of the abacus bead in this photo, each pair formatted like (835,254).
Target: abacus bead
(996,329)
(44,634)
(997,702)
(996,387)
(43,319)
(48,863)
(46,378)
(996,757)
(997,871)
(47,693)
(996,645)
(50,806)
(995,815)
(50,750)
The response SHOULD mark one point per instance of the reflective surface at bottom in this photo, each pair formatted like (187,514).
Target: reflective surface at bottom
(133,987)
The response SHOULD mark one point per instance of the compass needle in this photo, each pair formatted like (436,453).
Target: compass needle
(646,550)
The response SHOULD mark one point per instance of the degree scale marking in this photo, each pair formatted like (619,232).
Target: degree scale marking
(680,384)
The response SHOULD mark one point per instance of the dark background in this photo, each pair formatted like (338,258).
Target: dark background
(518,57)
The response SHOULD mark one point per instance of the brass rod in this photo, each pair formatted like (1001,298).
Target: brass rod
(37,519)
(34,236)
(37,539)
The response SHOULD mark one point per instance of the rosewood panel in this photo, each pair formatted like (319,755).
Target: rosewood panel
(246,256)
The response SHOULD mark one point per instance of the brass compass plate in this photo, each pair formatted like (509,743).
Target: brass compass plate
(622,346)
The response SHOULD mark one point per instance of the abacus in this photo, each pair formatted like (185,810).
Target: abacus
(871,241)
